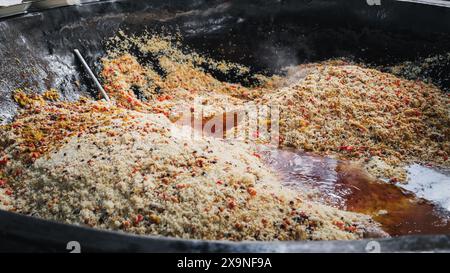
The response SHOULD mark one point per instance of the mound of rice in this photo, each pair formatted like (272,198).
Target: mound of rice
(137,172)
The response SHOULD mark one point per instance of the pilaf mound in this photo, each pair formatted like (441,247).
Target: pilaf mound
(365,115)
(137,172)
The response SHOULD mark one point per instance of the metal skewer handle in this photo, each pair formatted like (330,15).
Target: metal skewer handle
(91,74)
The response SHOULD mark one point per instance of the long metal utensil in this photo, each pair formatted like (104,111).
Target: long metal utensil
(91,74)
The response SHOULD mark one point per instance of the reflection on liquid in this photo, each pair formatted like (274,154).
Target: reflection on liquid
(346,186)
(430,184)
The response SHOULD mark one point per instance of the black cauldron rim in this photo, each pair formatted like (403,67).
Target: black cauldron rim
(50,236)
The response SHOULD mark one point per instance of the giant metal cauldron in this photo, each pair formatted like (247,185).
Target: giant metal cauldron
(36,51)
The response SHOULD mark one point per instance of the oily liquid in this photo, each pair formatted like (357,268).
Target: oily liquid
(348,187)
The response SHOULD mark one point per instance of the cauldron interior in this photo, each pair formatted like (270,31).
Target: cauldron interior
(36,53)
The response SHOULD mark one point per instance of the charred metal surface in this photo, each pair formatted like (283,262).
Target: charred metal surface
(36,54)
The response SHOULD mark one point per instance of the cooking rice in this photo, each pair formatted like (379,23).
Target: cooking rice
(136,172)
(127,166)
